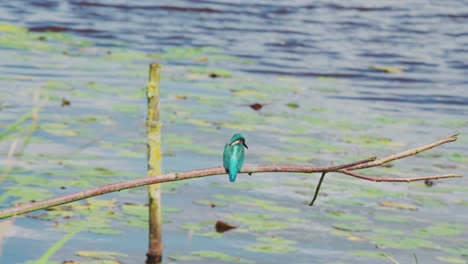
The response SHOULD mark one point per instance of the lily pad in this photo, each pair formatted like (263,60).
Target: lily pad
(253,222)
(221,256)
(100,254)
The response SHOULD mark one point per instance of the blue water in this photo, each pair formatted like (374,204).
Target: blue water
(318,54)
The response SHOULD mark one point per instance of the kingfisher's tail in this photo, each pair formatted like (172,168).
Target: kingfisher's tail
(233,173)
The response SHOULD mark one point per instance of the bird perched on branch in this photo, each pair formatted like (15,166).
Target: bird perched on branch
(233,156)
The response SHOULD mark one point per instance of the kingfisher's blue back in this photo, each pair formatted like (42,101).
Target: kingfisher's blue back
(233,156)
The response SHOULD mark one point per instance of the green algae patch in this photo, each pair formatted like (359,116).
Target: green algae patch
(272,244)
(198,226)
(221,256)
(100,254)
(181,257)
(12,28)
(368,254)
(452,260)
(211,203)
(391,218)
(24,194)
(370,141)
(137,210)
(344,216)
(405,243)
(458,157)
(253,222)
(441,230)
(267,205)
(355,227)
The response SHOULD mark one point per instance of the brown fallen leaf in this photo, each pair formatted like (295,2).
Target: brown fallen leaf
(222,227)
(256,106)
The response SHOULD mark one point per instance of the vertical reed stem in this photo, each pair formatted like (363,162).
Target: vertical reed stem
(155,250)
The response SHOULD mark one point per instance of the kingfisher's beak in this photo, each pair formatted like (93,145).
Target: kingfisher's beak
(245,145)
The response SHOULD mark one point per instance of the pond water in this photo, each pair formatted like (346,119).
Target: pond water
(337,80)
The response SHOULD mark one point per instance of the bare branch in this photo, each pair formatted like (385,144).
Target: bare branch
(345,169)
(386,179)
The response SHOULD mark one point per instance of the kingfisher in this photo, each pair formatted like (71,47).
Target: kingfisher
(233,156)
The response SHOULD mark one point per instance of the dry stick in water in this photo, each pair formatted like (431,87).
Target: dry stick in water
(345,169)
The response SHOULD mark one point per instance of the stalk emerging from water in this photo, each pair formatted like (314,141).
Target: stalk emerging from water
(155,249)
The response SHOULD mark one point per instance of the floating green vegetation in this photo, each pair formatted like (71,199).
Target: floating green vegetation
(440,229)
(391,218)
(181,257)
(19,38)
(12,28)
(125,56)
(23,194)
(267,205)
(221,256)
(292,105)
(458,157)
(406,243)
(428,200)
(211,72)
(354,227)
(181,142)
(243,185)
(57,86)
(325,78)
(346,202)
(127,108)
(451,260)
(329,90)
(370,141)
(386,120)
(371,191)
(461,249)
(344,216)
(211,203)
(272,244)
(454,123)
(100,254)
(138,210)
(255,222)
(388,231)
(309,144)
(58,129)
(369,254)
(205,225)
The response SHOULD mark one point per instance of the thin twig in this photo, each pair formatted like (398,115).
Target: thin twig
(404,154)
(386,179)
(317,189)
